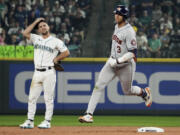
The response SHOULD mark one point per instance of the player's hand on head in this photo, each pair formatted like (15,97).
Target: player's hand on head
(39,19)
(112,62)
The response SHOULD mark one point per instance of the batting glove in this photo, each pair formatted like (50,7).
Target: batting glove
(112,62)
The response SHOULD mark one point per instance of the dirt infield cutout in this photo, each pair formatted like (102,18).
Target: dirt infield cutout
(84,130)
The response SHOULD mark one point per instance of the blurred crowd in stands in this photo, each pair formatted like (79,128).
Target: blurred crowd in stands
(157,23)
(67,20)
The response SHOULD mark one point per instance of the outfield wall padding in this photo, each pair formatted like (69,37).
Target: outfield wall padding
(75,85)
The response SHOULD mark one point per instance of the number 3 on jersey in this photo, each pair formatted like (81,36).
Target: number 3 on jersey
(118,49)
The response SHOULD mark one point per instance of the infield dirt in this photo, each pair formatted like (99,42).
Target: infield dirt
(84,130)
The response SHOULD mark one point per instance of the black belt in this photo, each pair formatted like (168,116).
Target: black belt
(43,69)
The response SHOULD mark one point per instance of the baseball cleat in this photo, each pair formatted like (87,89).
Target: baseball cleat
(148,97)
(28,124)
(44,125)
(87,118)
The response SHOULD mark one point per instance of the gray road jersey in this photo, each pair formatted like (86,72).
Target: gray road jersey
(123,40)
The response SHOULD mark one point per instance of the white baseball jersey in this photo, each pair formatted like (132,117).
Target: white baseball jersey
(45,50)
(123,40)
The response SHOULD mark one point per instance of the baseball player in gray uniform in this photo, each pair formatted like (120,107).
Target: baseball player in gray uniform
(46,54)
(121,64)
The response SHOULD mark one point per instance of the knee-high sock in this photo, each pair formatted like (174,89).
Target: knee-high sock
(136,90)
(94,100)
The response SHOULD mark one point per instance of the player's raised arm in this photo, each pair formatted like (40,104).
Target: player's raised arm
(26,33)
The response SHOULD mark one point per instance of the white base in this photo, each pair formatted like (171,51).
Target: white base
(150,129)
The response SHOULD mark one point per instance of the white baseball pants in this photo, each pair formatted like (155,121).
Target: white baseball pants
(45,81)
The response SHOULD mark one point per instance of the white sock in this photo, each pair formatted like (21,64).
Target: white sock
(136,90)
(96,95)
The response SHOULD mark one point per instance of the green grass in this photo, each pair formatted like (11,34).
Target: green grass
(67,120)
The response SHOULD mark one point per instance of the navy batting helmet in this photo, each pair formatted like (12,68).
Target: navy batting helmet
(121,10)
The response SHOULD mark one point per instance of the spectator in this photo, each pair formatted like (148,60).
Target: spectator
(175,7)
(21,16)
(20,35)
(176,23)
(3,9)
(24,42)
(2,35)
(56,20)
(47,12)
(36,9)
(46,3)
(142,42)
(61,37)
(154,45)
(64,37)
(78,35)
(52,28)
(145,19)
(166,6)
(14,28)
(38,4)
(79,19)
(74,47)
(165,40)
(66,18)
(68,24)
(84,5)
(65,33)
(166,21)
(156,13)
(9,17)
(59,9)
(175,44)
(147,5)
(71,8)
(152,28)
(27,4)
(32,16)
(2,39)
(134,20)
(13,40)
(62,2)
(63,28)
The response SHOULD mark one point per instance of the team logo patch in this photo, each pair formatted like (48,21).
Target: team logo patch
(133,42)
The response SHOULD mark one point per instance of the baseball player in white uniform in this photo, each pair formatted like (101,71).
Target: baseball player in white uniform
(46,50)
(121,64)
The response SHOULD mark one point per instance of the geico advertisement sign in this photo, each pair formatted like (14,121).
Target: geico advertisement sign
(72,85)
